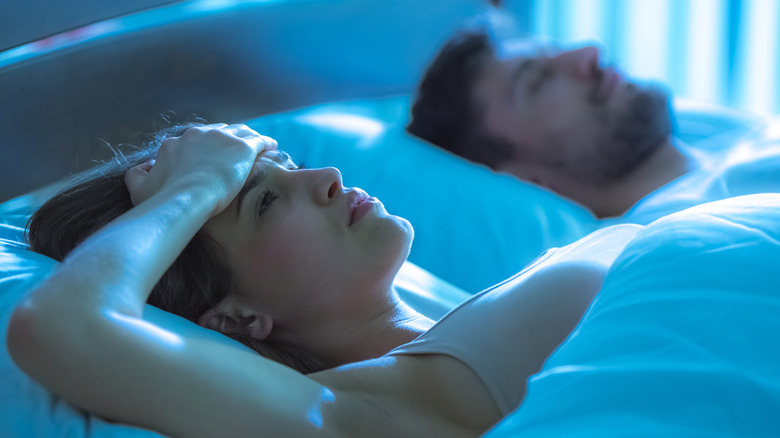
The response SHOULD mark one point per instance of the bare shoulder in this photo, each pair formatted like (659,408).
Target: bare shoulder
(411,395)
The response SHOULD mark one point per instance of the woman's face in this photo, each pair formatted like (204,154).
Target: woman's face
(301,246)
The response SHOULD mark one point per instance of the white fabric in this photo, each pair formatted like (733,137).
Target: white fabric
(682,341)
(730,167)
(480,332)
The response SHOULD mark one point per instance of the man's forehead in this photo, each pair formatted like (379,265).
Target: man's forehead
(525,48)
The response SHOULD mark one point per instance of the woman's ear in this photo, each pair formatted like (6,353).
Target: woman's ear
(255,325)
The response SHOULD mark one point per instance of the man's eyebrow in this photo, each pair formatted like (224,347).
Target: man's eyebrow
(253,182)
(521,70)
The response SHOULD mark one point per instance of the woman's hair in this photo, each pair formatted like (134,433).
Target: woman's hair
(196,281)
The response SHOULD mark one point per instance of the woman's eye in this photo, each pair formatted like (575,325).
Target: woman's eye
(266,201)
(302,166)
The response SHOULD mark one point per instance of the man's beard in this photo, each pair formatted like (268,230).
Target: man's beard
(621,139)
(631,136)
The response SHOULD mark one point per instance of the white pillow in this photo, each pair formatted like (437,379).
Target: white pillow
(473,227)
(681,341)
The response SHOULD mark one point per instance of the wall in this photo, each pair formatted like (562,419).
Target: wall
(23,21)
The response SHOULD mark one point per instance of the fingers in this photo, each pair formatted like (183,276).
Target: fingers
(213,138)
(134,179)
(240,130)
(235,130)
(269,144)
(223,153)
(264,143)
(259,142)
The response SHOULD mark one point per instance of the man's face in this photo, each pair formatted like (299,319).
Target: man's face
(567,116)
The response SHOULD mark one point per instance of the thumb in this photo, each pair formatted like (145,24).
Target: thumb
(134,180)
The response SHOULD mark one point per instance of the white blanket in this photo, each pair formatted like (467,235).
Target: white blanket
(681,341)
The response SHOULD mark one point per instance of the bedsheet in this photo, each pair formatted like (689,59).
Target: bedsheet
(681,341)
(730,167)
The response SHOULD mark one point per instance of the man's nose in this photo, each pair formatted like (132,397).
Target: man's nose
(581,62)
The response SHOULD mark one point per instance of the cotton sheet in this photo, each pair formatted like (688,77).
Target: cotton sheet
(681,341)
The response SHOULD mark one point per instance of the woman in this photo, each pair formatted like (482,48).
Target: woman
(311,265)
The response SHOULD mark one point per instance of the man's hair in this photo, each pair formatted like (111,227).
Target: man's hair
(196,281)
(444,112)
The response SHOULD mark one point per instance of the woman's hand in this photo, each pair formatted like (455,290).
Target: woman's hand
(217,158)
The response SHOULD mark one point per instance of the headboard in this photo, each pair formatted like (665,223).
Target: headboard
(221,60)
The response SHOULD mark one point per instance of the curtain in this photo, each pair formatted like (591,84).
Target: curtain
(721,51)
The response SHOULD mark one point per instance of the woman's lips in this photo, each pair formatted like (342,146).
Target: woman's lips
(364,206)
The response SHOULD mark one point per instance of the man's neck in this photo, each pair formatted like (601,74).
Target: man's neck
(665,165)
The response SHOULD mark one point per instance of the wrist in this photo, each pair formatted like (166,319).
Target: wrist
(190,197)
(201,191)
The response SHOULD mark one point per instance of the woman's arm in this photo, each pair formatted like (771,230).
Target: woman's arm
(80,333)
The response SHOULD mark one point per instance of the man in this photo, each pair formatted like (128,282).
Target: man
(558,119)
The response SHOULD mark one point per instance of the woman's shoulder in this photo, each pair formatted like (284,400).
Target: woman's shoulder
(415,395)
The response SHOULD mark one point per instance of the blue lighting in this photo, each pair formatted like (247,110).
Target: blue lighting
(758,55)
(315,413)
(720,51)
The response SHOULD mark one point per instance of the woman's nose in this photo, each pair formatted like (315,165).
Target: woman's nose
(327,184)
(582,62)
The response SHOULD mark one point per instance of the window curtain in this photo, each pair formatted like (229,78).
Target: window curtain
(721,51)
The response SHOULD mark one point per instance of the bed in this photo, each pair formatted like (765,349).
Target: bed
(283,68)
